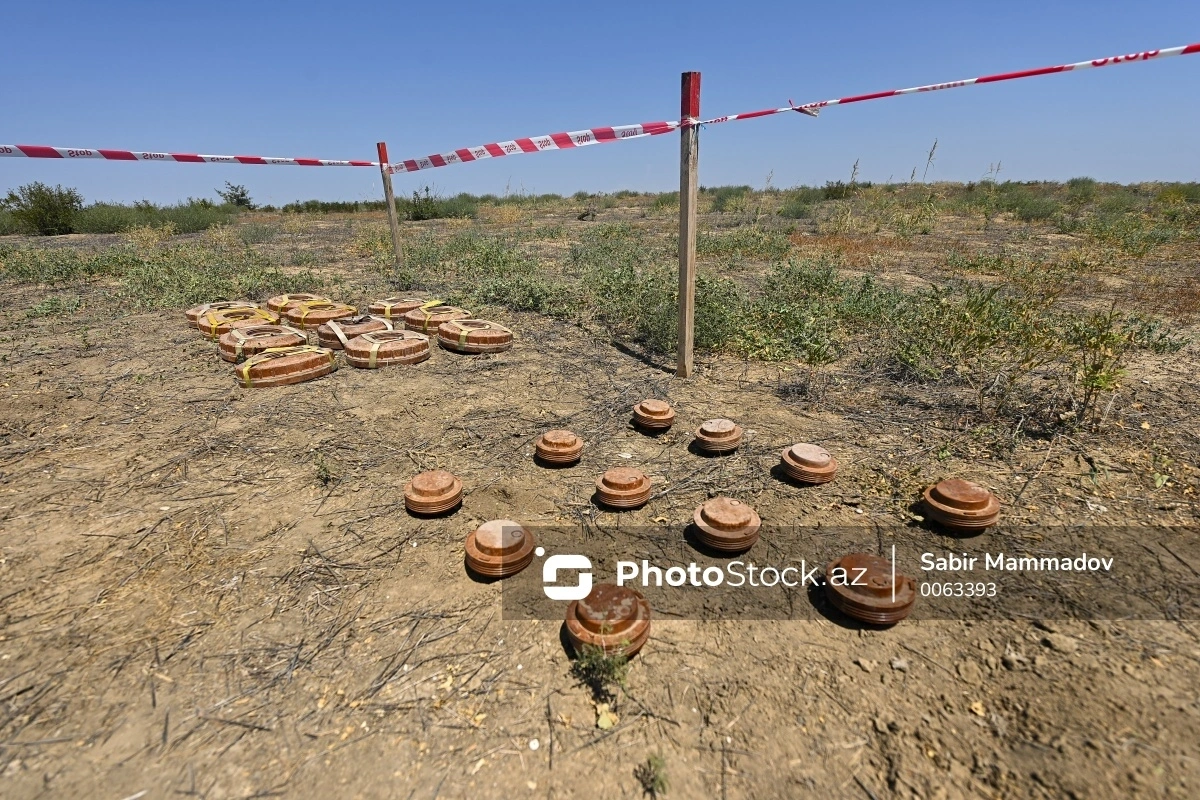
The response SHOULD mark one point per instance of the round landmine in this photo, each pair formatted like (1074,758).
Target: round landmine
(726,525)
(613,618)
(862,589)
(809,463)
(558,447)
(432,492)
(395,307)
(718,436)
(499,548)
(384,348)
(623,487)
(214,323)
(427,319)
(280,303)
(312,314)
(653,415)
(337,332)
(474,336)
(193,314)
(280,366)
(961,505)
(241,343)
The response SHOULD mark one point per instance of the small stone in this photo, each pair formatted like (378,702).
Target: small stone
(881,725)
(969,671)
(534,744)
(1060,643)
(899,664)
(1012,659)
(977,708)
(866,664)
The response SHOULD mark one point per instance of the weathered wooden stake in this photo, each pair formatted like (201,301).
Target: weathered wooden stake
(393,220)
(689,153)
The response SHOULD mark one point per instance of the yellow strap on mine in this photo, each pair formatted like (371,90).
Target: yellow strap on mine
(337,331)
(374,353)
(240,338)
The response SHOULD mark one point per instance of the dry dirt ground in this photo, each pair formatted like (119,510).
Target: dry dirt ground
(214,592)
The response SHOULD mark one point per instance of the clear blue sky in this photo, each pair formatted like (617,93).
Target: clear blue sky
(328,80)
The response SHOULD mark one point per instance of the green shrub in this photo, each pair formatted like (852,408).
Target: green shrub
(8,223)
(724,196)
(39,209)
(746,241)
(190,217)
(106,218)
(429,206)
(55,306)
(838,190)
(1029,207)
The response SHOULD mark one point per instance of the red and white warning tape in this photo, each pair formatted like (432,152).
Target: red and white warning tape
(42,151)
(558,141)
(573,139)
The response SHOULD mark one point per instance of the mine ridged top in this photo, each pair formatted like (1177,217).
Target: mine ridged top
(432,492)
(653,415)
(866,592)
(718,435)
(499,548)
(726,524)
(809,463)
(558,447)
(623,487)
(961,505)
(613,618)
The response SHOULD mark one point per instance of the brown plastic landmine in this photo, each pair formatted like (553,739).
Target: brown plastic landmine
(809,463)
(193,314)
(474,336)
(558,447)
(653,415)
(313,314)
(427,319)
(865,592)
(214,323)
(727,525)
(623,487)
(384,348)
(961,505)
(336,333)
(613,618)
(394,307)
(499,548)
(238,344)
(280,303)
(432,492)
(718,436)
(280,366)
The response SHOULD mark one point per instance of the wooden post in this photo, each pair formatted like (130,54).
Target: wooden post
(689,154)
(388,196)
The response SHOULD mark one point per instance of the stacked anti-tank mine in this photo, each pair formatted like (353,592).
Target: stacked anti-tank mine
(337,333)
(384,348)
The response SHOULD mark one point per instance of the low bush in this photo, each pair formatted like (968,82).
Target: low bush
(42,210)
